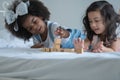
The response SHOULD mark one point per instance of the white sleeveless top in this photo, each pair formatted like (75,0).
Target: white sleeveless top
(52,26)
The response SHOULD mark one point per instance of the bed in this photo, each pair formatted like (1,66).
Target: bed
(19,62)
(33,64)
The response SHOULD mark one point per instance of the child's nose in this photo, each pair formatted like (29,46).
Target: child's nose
(34,28)
(93,24)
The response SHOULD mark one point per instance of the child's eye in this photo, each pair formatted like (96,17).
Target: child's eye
(97,21)
(90,21)
(29,29)
(34,20)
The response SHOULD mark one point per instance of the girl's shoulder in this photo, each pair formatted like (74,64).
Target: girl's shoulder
(52,24)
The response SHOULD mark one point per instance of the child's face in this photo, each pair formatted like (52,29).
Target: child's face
(96,22)
(34,24)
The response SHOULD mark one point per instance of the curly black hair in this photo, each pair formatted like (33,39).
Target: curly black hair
(110,18)
(36,8)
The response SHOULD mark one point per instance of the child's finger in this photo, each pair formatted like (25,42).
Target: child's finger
(58,31)
(79,39)
(82,43)
(75,41)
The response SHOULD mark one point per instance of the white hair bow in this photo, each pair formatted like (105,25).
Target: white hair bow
(11,16)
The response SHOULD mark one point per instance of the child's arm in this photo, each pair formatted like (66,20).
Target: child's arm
(68,36)
(99,47)
(37,46)
(116,45)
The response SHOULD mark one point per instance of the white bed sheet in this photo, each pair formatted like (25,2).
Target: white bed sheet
(29,53)
(7,40)
(32,64)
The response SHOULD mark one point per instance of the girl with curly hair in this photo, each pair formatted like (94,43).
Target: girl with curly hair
(30,18)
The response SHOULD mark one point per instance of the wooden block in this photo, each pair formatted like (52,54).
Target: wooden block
(68,50)
(80,50)
(62,50)
(57,46)
(42,49)
(47,49)
(51,50)
(57,41)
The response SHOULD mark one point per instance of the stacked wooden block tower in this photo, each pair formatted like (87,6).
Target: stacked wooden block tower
(57,48)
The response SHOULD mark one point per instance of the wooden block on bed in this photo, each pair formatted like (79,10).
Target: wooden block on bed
(68,50)
(80,50)
(57,41)
(52,49)
(56,46)
(47,50)
(42,49)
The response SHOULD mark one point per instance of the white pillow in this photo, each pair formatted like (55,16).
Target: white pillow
(9,41)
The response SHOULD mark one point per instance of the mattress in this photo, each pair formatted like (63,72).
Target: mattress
(33,64)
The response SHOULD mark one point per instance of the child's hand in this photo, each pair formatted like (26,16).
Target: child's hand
(99,47)
(37,46)
(62,32)
(78,44)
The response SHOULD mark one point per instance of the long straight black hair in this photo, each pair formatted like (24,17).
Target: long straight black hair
(110,18)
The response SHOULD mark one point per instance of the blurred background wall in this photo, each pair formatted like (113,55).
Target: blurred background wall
(66,12)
